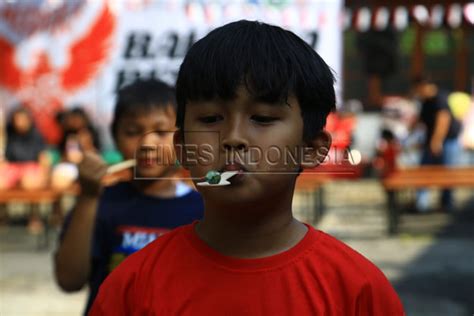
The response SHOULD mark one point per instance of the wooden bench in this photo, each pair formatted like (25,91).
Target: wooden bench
(437,177)
(311,187)
(309,184)
(46,195)
(35,197)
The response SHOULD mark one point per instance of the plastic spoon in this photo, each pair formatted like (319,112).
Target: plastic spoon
(212,176)
(121,166)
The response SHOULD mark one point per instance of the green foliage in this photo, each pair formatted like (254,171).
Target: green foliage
(436,43)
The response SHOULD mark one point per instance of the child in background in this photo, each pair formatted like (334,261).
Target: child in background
(257,86)
(77,120)
(108,224)
(387,150)
(70,153)
(27,162)
(24,142)
(76,127)
(74,143)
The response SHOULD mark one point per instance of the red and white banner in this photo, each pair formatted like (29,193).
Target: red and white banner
(58,53)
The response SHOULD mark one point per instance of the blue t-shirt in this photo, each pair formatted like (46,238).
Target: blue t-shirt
(127,220)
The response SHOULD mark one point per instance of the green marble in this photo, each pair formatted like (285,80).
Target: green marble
(213,177)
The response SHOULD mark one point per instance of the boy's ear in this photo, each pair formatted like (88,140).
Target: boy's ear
(178,142)
(316,150)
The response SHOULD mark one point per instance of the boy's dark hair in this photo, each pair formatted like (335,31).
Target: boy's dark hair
(270,62)
(142,95)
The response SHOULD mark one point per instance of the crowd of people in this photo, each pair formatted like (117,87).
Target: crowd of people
(27,162)
(433,121)
(26,148)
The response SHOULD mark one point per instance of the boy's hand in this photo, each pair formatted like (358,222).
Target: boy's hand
(91,171)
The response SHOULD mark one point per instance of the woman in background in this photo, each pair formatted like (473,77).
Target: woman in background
(24,142)
(27,158)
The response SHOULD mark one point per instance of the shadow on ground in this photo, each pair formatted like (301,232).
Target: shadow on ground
(441,280)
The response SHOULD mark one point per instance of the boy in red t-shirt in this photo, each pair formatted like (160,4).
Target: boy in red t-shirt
(254,98)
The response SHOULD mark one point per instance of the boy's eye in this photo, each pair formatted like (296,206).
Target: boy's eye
(164,133)
(147,148)
(263,119)
(132,132)
(209,119)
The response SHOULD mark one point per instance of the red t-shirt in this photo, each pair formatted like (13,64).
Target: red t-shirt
(178,274)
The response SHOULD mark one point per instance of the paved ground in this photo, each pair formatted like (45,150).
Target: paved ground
(26,279)
(430,263)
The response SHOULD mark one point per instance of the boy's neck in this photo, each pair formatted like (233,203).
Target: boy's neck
(157,188)
(267,231)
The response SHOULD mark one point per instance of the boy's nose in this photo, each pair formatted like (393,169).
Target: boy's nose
(234,140)
(235,146)
(150,137)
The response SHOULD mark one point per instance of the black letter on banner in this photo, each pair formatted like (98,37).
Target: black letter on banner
(313,41)
(173,38)
(126,77)
(138,46)
(191,41)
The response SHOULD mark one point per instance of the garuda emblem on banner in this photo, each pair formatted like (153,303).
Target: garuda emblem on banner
(49,53)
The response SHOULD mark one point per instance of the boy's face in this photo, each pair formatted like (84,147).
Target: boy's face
(148,137)
(246,135)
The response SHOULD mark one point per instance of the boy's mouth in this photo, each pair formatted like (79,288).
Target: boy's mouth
(233,166)
(146,157)
(145,162)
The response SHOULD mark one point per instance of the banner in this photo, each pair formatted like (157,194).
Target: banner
(79,52)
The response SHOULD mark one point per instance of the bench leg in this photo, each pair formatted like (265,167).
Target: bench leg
(393,213)
(3,213)
(308,213)
(319,206)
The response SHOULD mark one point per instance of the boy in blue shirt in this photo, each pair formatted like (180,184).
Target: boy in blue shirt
(108,224)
